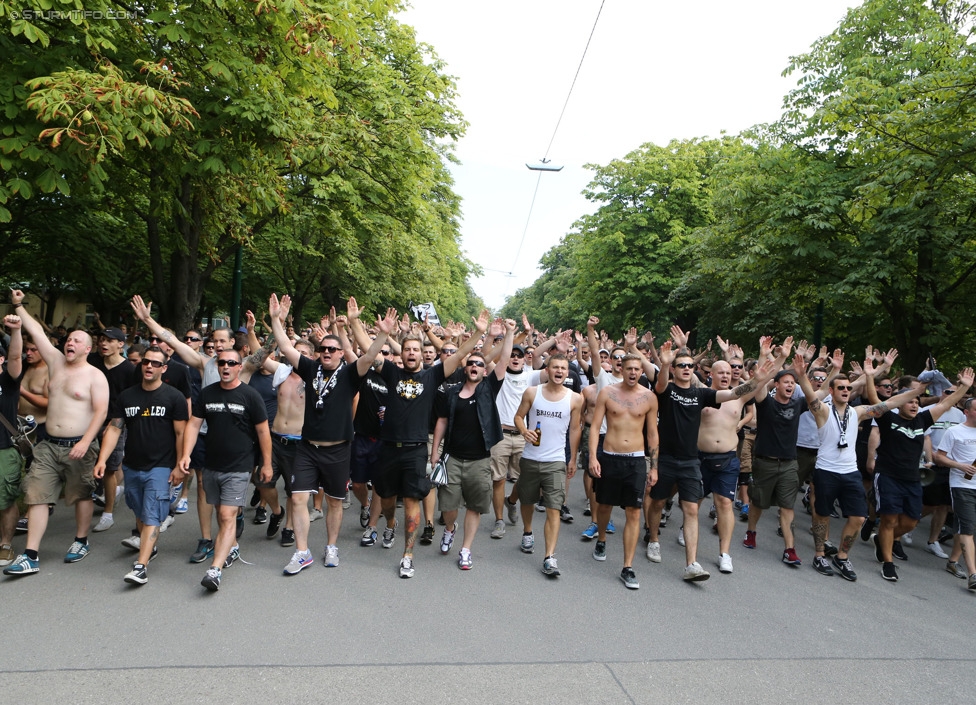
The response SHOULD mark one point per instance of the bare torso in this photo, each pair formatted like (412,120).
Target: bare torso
(35,381)
(291,407)
(626,414)
(70,391)
(717,433)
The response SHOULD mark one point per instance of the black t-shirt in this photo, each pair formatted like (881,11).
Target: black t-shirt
(328,400)
(372,395)
(467,440)
(122,376)
(901,444)
(777,426)
(409,403)
(231,415)
(177,375)
(679,418)
(262,383)
(149,417)
(9,396)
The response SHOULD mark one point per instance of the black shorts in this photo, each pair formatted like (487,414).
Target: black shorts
(198,457)
(686,474)
(321,466)
(846,488)
(283,454)
(403,471)
(937,493)
(622,480)
(894,496)
(720,473)
(365,464)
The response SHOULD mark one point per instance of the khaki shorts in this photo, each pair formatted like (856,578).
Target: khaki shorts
(468,484)
(550,478)
(11,469)
(505,457)
(52,469)
(774,482)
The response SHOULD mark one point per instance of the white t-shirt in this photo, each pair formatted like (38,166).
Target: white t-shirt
(959,444)
(510,395)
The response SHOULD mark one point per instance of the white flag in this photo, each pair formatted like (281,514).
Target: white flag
(426,312)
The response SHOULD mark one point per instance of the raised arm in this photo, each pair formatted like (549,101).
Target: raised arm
(278,310)
(591,323)
(507,345)
(384,326)
(15,351)
(817,407)
(50,354)
(666,356)
(962,388)
(190,356)
(481,325)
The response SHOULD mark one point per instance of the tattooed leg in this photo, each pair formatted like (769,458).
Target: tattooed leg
(819,534)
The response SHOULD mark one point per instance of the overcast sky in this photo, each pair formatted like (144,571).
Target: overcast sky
(653,72)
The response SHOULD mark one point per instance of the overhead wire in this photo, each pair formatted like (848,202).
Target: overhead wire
(552,139)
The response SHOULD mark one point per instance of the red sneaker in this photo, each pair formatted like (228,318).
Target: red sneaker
(750,540)
(790,557)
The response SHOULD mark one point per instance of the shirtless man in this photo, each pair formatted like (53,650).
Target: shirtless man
(631,415)
(78,404)
(33,388)
(717,443)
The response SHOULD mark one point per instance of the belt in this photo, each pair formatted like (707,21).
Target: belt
(778,460)
(323,444)
(64,442)
(397,444)
(285,441)
(511,432)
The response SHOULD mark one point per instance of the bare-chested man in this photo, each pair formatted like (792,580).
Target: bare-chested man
(717,443)
(33,388)
(620,472)
(78,396)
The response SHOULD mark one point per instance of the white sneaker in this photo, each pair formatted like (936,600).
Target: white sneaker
(935,549)
(725,563)
(695,573)
(105,523)
(167,522)
(315,514)
(681,536)
(331,557)
(907,539)
(133,542)
(654,552)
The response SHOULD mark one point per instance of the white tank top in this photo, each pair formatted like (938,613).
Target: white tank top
(831,458)
(553,417)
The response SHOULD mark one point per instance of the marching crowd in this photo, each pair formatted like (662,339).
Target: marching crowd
(436,419)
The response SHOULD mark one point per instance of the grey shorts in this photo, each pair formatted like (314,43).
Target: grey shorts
(774,482)
(468,484)
(549,478)
(226,489)
(964,507)
(114,461)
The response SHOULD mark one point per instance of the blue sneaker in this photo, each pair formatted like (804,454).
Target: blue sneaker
(174,492)
(590,532)
(182,506)
(205,548)
(611,529)
(76,551)
(744,513)
(22,565)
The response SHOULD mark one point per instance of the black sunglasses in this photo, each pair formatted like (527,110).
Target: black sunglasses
(386,352)
(327,348)
(685,365)
(227,363)
(153,363)
(475,363)
(736,367)
(191,339)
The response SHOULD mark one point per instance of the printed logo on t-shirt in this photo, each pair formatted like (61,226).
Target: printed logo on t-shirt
(549,414)
(683,400)
(132,411)
(786,413)
(376,386)
(409,389)
(221,407)
(908,432)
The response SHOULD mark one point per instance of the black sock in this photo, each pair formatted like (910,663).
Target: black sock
(82,541)
(31,554)
(526,533)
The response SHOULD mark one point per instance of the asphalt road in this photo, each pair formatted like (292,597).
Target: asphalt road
(500,633)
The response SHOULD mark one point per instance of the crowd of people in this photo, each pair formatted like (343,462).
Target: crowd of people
(392,413)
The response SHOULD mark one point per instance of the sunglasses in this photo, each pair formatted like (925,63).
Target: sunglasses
(208,347)
(448,352)
(818,378)
(519,355)
(227,363)
(385,352)
(327,348)
(685,365)
(152,363)
(191,339)
(843,387)
(887,386)
(617,357)
(736,367)
(154,339)
(475,363)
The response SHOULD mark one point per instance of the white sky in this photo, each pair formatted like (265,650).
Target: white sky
(654,72)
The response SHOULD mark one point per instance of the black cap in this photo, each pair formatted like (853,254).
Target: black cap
(113,334)
(783,373)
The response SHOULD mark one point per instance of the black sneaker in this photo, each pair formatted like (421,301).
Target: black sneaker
(274,522)
(898,551)
(867,528)
(566,515)
(888,572)
(137,576)
(821,565)
(830,550)
(647,534)
(287,537)
(844,567)
(877,549)
(945,536)
(600,551)
(440,520)
(427,538)
(260,515)
(240,522)
(255,497)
